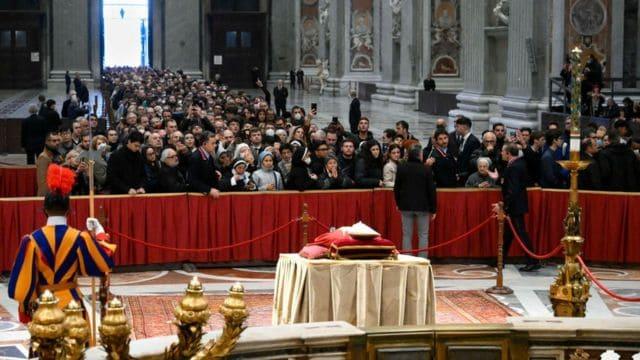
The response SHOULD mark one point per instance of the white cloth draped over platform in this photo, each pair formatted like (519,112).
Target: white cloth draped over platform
(361,292)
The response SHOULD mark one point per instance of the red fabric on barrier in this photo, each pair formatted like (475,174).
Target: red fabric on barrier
(195,221)
(18,181)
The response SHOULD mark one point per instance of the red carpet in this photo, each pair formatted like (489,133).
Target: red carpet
(152,315)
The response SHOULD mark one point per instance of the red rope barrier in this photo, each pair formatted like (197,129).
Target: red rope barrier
(321,224)
(457,238)
(211,249)
(604,288)
(524,247)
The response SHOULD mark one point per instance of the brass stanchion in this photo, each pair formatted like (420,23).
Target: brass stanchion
(305,218)
(500,289)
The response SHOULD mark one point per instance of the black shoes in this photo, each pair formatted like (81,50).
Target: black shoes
(531,267)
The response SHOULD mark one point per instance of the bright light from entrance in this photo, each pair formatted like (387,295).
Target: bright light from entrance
(126,32)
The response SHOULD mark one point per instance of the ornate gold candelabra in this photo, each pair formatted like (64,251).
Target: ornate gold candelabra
(115,331)
(192,313)
(569,292)
(76,332)
(235,313)
(47,328)
(58,335)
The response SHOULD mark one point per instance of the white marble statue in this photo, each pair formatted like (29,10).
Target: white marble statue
(396,26)
(323,73)
(501,12)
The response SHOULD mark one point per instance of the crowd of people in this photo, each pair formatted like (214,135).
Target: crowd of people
(175,134)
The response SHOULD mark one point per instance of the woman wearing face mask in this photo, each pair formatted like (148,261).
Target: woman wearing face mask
(300,177)
(391,167)
(266,179)
(368,172)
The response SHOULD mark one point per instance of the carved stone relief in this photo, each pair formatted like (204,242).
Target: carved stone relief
(309,32)
(362,35)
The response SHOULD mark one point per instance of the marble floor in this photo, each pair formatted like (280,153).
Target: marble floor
(530,297)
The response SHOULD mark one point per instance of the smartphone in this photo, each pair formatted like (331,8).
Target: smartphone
(314,106)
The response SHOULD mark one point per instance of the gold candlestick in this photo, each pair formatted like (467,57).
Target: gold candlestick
(569,292)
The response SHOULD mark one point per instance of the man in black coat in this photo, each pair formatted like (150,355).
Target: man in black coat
(514,197)
(620,167)
(429,84)
(171,179)
(292,78)
(415,195)
(67,82)
(280,94)
(467,145)
(203,174)
(442,162)
(33,133)
(300,76)
(125,169)
(83,94)
(354,113)
(51,116)
(590,178)
(347,162)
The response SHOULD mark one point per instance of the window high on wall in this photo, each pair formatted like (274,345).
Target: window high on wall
(126,32)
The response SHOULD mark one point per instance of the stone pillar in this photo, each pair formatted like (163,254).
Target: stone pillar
(282,52)
(524,64)
(157,34)
(70,36)
(405,92)
(472,101)
(615,58)
(558,50)
(182,30)
(426,39)
(384,88)
(95,13)
(336,44)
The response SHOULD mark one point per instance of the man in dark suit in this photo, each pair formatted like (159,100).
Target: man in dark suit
(514,197)
(429,84)
(292,78)
(125,169)
(51,115)
(33,133)
(280,93)
(67,82)
(466,144)
(354,113)
(442,162)
(203,175)
(300,76)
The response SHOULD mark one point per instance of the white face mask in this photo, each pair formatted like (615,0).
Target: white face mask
(307,160)
(270,132)
(297,116)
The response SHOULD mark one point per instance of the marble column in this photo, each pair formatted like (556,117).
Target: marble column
(558,50)
(384,88)
(615,58)
(70,36)
(525,65)
(157,34)
(426,39)
(282,52)
(473,101)
(183,29)
(336,44)
(405,92)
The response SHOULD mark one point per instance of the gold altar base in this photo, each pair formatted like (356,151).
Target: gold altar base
(570,291)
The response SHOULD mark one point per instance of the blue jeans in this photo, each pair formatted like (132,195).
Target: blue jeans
(422,217)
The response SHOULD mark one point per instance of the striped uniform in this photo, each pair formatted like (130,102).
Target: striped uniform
(51,258)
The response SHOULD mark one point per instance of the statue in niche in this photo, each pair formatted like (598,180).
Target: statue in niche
(310,37)
(396,26)
(323,73)
(501,12)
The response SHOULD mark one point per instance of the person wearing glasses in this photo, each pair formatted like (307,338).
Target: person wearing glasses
(171,179)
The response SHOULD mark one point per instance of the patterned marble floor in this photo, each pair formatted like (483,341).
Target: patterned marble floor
(530,297)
